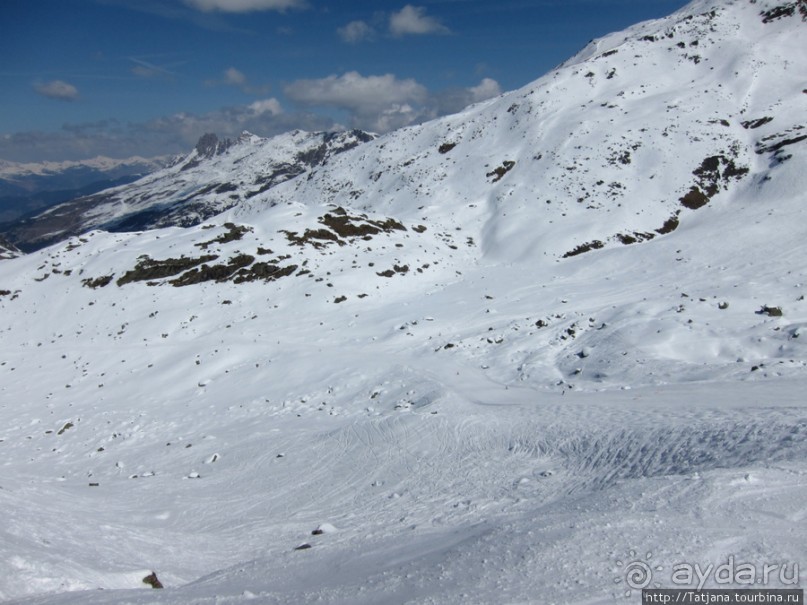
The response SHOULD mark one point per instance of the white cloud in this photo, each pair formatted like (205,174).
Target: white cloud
(234,77)
(486,89)
(412,20)
(355,31)
(270,106)
(375,103)
(177,133)
(244,6)
(385,103)
(356,93)
(264,117)
(396,117)
(57,89)
(457,99)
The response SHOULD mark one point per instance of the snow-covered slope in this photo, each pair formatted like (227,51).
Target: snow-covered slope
(625,141)
(215,176)
(504,357)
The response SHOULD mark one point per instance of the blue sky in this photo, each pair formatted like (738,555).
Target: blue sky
(81,78)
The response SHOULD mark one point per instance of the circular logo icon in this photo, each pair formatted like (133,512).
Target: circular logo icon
(636,573)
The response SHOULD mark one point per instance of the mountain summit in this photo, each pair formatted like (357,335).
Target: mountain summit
(511,355)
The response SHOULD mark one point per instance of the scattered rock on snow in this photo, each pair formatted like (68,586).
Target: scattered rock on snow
(770,311)
(152,580)
(324,528)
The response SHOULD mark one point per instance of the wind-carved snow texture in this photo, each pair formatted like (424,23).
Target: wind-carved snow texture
(494,358)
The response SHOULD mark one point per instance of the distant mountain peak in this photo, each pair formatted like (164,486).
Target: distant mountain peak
(209,145)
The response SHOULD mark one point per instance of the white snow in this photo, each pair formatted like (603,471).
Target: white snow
(499,422)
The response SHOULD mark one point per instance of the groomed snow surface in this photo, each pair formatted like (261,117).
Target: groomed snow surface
(441,405)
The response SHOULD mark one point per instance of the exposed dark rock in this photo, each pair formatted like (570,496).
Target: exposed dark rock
(358,226)
(314,237)
(785,10)
(582,248)
(695,199)
(751,124)
(219,273)
(770,311)
(670,225)
(342,227)
(234,232)
(714,174)
(152,580)
(98,282)
(499,172)
(774,147)
(263,271)
(395,269)
(148,269)
(226,188)
(635,237)
(209,145)
(331,145)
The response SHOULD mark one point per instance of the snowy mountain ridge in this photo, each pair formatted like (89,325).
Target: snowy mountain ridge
(501,357)
(215,176)
(26,188)
(596,142)
(15,170)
